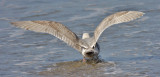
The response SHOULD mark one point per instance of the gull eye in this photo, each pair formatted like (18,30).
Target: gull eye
(93,47)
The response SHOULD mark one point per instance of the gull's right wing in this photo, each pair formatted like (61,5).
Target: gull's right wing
(54,28)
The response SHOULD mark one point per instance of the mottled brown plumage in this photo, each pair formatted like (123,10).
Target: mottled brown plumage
(88,46)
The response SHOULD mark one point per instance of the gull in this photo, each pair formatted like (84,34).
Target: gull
(87,45)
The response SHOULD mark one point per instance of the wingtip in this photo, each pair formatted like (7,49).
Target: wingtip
(139,13)
(13,23)
(142,13)
(16,23)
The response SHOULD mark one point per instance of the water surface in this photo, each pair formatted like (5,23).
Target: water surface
(128,50)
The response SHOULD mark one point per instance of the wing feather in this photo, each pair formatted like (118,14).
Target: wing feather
(54,28)
(119,17)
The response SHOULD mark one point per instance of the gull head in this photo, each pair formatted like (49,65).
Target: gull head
(90,52)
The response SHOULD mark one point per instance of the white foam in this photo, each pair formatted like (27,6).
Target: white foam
(134,32)
(6,19)
(136,74)
(25,63)
(39,57)
(97,11)
(143,18)
(21,72)
(40,47)
(54,40)
(16,33)
(113,70)
(128,50)
(15,71)
(29,44)
(51,52)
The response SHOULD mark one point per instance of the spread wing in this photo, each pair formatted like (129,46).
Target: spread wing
(54,28)
(119,17)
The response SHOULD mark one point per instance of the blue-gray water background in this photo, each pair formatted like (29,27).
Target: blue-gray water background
(133,47)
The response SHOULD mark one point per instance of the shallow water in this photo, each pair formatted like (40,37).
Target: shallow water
(129,50)
(77,68)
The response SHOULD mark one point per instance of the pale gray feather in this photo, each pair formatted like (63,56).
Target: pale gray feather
(53,28)
(119,17)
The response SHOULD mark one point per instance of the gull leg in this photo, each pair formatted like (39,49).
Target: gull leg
(84,60)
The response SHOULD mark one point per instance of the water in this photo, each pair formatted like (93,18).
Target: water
(129,49)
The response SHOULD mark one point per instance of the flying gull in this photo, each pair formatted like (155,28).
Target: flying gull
(87,46)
